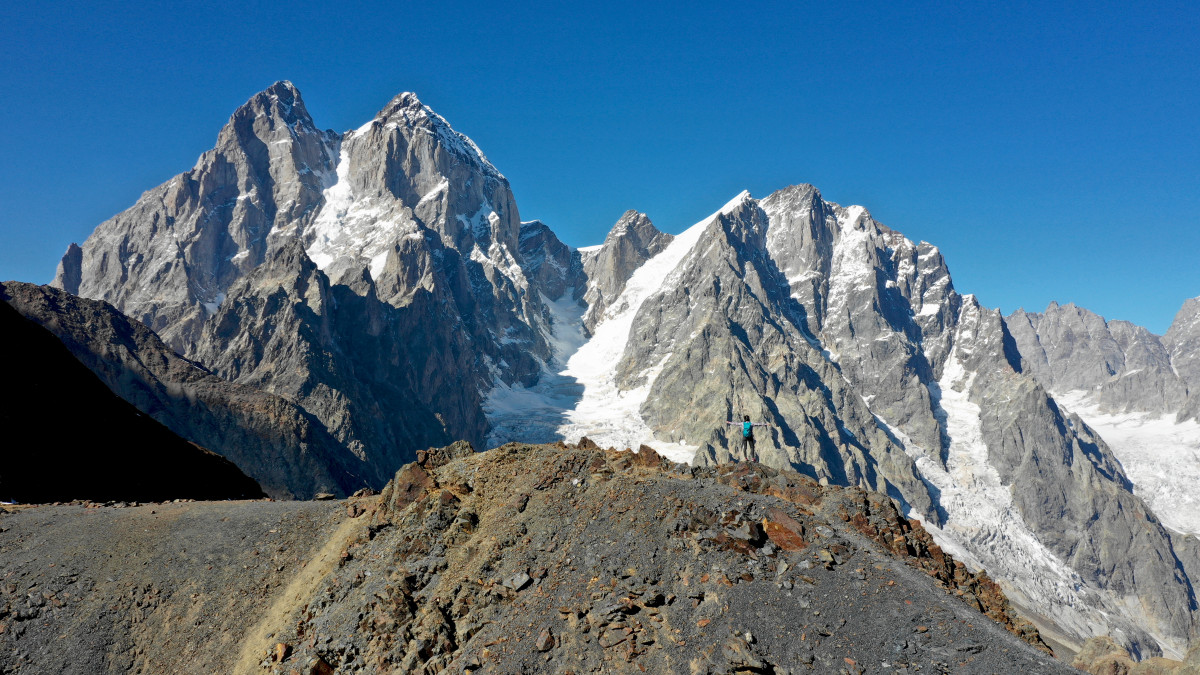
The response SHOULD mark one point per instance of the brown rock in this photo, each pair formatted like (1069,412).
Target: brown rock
(647,457)
(411,484)
(282,651)
(545,640)
(786,532)
(318,666)
(1101,655)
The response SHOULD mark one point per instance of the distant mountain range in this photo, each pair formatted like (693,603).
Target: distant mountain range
(343,300)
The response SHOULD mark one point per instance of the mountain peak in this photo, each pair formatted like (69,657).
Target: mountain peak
(405,100)
(281,101)
(733,204)
(406,110)
(283,89)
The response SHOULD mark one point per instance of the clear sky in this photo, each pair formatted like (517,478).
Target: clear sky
(1052,150)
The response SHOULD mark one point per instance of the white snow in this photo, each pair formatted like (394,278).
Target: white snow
(215,304)
(352,226)
(982,526)
(435,192)
(851,268)
(589,249)
(578,395)
(606,414)
(734,203)
(1162,458)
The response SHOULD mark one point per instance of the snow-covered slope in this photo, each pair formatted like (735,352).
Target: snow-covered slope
(1161,457)
(579,393)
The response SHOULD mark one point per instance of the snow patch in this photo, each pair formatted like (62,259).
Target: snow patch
(607,414)
(1162,458)
(734,203)
(578,395)
(982,526)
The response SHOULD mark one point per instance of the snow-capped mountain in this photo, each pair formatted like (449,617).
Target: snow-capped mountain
(1139,391)
(374,276)
(851,341)
(383,281)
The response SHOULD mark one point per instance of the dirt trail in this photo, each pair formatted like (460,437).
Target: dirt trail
(293,597)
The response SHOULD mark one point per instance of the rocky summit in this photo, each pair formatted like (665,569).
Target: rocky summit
(379,292)
(559,559)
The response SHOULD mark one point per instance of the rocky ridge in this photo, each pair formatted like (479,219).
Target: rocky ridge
(525,558)
(1122,367)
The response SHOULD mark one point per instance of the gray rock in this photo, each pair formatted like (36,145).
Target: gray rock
(1183,342)
(735,343)
(629,244)
(1124,367)
(177,250)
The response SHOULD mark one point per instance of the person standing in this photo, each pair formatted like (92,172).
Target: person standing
(748,435)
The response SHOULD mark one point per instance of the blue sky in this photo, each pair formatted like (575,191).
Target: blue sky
(1053,153)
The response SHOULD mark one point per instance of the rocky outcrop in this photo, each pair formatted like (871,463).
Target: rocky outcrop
(67,437)
(167,260)
(289,452)
(1123,367)
(631,242)
(520,559)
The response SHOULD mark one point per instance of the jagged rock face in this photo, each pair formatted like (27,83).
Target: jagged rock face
(552,267)
(631,242)
(68,437)
(409,188)
(360,366)
(390,253)
(1183,342)
(176,251)
(270,438)
(1123,367)
(879,303)
(852,343)
(1076,499)
(731,342)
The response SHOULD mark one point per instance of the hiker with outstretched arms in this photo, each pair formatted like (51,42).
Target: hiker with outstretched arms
(748,434)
